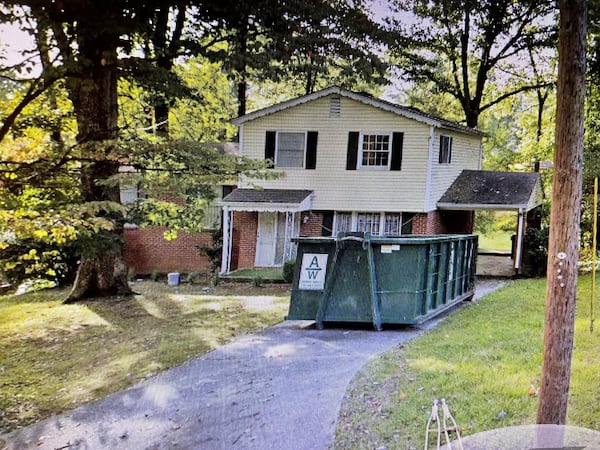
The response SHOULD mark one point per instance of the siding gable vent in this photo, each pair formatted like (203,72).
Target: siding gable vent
(335,106)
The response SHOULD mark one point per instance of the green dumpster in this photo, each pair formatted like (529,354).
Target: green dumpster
(356,277)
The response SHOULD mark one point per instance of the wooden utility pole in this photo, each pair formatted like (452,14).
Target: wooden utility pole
(563,245)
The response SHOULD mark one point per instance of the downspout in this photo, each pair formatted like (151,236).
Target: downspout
(429,168)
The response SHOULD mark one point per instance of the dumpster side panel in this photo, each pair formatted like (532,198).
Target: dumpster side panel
(304,303)
(349,298)
(401,275)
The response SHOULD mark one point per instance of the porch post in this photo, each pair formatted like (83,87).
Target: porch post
(519,244)
(225,252)
(290,222)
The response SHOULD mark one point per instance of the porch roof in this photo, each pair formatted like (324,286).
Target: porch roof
(480,189)
(272,200)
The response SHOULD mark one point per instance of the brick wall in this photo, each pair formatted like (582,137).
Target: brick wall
(310,224)
(147,250)
(245,227)
(443,222)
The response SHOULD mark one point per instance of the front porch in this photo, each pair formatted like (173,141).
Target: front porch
(258,227)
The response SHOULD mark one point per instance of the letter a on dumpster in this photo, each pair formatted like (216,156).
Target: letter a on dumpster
(312,273)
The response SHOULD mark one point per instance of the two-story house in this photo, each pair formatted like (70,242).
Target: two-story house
(351,162)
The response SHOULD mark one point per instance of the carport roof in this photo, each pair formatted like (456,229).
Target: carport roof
(268,200)
(479,189)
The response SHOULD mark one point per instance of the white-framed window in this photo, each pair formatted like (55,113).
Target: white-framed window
(369,223)
(393,224)
(290,149)
(445,149)
(343,222)
(377,223)
(375,150)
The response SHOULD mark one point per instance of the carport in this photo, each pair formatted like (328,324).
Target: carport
(475,190)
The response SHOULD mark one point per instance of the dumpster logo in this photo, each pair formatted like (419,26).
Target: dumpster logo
(312,273)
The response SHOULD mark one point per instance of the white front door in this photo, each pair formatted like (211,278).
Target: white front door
(266,239)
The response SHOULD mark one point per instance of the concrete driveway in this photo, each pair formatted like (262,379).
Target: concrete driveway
(281,388)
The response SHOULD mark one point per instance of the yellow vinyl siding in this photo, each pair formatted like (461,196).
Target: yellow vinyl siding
(465,155)
(336,188)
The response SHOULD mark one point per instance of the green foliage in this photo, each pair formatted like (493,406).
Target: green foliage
(505,222)
(483,221)
(535,244)
(304,43)
(429,48)
(205,116)
(192,278)
(258,281)
(43,226)
(288,271)
(213,252)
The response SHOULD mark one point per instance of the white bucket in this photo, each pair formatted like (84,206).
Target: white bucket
(173,278)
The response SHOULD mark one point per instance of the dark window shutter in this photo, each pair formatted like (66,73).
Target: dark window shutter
(311,150)
(270,145)
(397,141)
(327,227)
(352,155)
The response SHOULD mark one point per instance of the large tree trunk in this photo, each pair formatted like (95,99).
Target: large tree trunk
(563,250)
(93,93)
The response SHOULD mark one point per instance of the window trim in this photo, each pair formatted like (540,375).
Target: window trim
(448,153)
(361,139)
(304,149)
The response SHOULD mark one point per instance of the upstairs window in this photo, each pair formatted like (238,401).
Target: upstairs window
(375,150)
(445,149)
(290,149)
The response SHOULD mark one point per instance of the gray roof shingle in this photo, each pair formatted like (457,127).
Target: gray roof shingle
(479,187)
(286,196)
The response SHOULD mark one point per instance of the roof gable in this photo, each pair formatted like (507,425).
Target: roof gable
(403,111)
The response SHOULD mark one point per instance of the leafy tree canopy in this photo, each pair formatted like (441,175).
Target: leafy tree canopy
(462,46)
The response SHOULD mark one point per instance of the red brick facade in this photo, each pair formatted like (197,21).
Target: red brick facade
(243,252)
(146,250)
(443,222)
(311,224)
(245,226)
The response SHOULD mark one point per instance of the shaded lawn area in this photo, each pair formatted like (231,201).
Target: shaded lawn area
(485,360)
(495,241)
(55,357)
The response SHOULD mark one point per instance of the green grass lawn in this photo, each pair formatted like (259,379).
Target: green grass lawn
(495,241)
(258,273)
(485,360)
(55,357)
